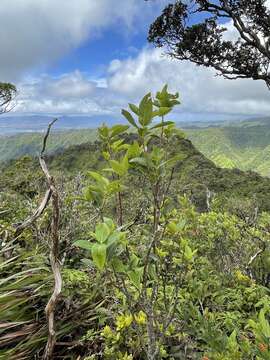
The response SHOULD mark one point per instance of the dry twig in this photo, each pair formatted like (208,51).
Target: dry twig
(54,251)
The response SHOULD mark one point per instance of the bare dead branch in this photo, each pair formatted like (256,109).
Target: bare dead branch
(54,251)
(254,257)
(251,261)
(39,211)
(46,138)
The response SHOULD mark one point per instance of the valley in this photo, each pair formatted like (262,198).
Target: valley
(244,144)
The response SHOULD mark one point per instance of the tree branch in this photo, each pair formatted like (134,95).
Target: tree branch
(39,211)
(54,252)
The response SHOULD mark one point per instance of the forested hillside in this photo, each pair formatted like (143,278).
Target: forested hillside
(135,246)
(194,175)
(245,145)
(125,235)
(15,146)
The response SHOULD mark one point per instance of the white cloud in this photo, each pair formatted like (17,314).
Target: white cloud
(127,80)
(73,93)
(201,90)
(37,32)
(231,34)
(68,86)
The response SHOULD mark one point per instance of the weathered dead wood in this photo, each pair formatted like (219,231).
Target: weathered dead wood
(255,256)
(39,211)
(54,252)
(51,193)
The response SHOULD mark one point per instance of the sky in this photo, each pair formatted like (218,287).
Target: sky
(91,57)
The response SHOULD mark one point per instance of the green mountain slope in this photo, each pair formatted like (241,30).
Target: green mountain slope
(193,176)
(12,147)
(246,146)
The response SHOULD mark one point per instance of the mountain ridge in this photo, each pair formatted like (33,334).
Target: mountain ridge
(244,145)
(195,174)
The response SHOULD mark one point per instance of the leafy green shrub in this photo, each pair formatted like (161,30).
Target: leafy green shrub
(145,274)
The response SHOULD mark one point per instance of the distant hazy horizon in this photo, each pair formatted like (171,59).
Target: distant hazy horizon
(15,124)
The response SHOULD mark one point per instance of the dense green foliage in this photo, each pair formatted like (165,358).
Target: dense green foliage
(195,30)
(7,94)
(194,174)
(145,274)
(15,146)
(244,145)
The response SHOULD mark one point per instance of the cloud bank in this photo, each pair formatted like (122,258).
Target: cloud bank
(36,33)
(128,80)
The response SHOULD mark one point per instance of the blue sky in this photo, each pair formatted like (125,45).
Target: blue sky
(94,55)
(89,57)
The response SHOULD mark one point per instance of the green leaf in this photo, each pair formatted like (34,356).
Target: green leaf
(164,110)
(106,155)
(103,132)
(125,164)
(94,193)
(165,99)
(84,244)
(113,238)
(142,132)
(146,110)
(232,342)
(129,118)
(102,232)
(134,150)
(115,187)
(134,261)
(118,265)
(135,276)
(118,129)
(120,168)
(109,222)
(144,101)
(99,178)
(99,252)
(152,272)
(264,324)
(139,161)
(164,123)
(181,224)
(172,227)
(135,109)
(188,253)
(88,193)
(117,143)
(174,102)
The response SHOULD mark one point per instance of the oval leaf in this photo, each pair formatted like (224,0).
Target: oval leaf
(129,117)
(99,252)
(84,244)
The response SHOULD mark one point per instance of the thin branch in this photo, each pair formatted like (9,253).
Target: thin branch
(251,261)
(54,252)
(253,258)
(46,138)
(39,211)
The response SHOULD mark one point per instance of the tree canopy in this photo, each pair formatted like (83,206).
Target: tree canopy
(194,30)
(7,94)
